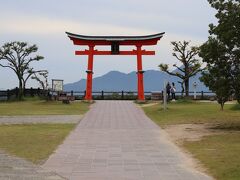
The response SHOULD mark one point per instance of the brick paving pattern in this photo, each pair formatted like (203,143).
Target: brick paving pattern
(115,141)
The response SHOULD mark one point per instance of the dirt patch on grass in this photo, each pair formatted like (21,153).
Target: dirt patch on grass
(149,104)
(190,132)
(181,133)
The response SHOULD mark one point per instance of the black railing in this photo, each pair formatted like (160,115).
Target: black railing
(132,95)
(101,95)
(13,93)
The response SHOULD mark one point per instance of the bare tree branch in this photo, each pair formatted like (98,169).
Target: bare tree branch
(179,68)
(190,66)
(7,66)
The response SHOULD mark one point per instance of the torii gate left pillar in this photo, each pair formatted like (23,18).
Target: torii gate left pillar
(88,95)
(115,42)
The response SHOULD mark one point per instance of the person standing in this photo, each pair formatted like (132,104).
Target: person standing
(168,89)
(173,91)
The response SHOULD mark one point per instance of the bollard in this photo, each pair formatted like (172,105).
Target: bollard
(202,96)
(102,94)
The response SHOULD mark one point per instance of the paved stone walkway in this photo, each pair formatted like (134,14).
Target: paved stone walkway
(40,119)
(115,141)
(14,168)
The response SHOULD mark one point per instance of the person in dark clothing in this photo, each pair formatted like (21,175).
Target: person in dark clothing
(168,90)
(173,90)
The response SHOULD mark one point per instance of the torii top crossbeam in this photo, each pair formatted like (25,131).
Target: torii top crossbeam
(115,42)
(122,40)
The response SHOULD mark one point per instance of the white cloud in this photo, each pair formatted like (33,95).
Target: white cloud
(45,26)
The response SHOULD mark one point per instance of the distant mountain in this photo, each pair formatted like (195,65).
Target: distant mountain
(118,81)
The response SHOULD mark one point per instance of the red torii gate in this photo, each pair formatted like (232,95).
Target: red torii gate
(115,42)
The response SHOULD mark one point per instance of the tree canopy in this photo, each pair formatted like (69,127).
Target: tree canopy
(18,56)
(222,51)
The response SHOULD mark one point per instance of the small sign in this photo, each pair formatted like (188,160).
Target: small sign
(57,85)
(195,90)
(115,48)
(194,84)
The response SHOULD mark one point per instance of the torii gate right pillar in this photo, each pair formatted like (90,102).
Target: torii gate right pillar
(140,72)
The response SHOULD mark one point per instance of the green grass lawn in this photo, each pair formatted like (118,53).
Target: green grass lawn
(34,142)
(218,153)
(193,112)
(41,107)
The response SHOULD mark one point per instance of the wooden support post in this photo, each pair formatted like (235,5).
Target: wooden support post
(84,95)
(31,92)
(8,94)
(102,94)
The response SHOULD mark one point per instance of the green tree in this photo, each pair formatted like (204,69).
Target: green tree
(190,66)
(218,75)
(227,31)
(18,57)
(222,51)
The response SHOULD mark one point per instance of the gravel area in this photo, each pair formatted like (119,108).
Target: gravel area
(14,168)
(40,119)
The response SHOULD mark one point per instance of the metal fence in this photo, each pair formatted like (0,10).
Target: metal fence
(132,95)
(13,93)
(100,95)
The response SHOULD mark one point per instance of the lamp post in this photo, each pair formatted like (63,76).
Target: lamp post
(195,90)
(164,95)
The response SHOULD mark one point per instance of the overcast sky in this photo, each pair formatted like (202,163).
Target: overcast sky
(44,22)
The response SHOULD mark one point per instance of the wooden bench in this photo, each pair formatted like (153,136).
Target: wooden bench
(65,99)
(156,96)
